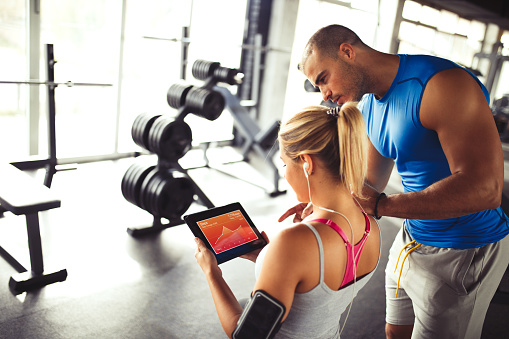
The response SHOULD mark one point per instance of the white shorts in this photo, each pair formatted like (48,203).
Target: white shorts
(443,292)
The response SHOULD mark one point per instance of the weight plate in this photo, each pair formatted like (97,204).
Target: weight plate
(174,195)
(175,140)
(203,69)
(205,103)
(138,177)
(145,187)
(176,95)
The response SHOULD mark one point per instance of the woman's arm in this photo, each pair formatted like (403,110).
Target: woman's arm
(284,266)
(227,306)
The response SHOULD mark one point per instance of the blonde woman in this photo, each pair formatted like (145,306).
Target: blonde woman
(312,270)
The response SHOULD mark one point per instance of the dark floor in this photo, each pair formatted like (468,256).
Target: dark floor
(151,287)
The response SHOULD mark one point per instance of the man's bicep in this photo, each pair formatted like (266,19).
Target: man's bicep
(454,106)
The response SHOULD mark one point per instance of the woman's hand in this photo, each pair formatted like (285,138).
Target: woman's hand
(253,255)
(205,258)
(299,212)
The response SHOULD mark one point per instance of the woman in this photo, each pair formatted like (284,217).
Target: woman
(308,269)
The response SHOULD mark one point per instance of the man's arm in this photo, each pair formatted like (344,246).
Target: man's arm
(454,106)
(379,169)
(377,177)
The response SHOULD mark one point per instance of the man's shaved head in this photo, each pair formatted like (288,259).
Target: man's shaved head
(327,40)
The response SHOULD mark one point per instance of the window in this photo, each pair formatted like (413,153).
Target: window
(13,68)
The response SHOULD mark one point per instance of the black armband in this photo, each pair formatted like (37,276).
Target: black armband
(261,318)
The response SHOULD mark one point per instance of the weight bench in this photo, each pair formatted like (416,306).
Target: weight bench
(20,194)
(261,141)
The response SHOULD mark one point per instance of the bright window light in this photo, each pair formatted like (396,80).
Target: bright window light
(407,31)
(412,10)
(426,37)
(463,26)
(430,16)
(476,31)
(448,22)
(365,5)
(505,39)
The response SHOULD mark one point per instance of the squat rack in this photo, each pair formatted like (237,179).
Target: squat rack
(51,161)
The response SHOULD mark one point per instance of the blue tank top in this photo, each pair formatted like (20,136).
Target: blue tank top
(395,130)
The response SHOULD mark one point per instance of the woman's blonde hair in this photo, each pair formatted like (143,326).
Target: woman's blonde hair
(336,137)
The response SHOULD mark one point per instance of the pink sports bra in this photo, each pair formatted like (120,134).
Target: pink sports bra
(357,248)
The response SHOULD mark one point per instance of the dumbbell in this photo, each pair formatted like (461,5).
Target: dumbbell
(169,138)
(166,193)
(141,128)
(203,70)
(132,180)
(206,103)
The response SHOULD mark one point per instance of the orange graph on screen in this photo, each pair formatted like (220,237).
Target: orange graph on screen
(227,231)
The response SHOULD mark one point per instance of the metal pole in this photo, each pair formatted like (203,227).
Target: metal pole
(120,71)
(52,147)
(397,24)
(33,52)
(184,52)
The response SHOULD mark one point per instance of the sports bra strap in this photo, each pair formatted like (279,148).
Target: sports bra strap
(352,258)
(335,227)
(320,249)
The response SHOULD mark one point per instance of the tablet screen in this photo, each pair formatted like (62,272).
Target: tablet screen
(227,231)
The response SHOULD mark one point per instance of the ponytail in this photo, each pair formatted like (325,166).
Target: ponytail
(352,141)
(336,136)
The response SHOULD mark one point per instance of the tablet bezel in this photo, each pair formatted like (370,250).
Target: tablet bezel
(193,219)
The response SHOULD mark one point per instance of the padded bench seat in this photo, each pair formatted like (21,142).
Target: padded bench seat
(21,194)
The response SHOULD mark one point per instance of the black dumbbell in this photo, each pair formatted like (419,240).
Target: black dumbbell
(203,70)
(167,193)
(132,182)
(169,138)
(141,128)
(176,96)
(206,103)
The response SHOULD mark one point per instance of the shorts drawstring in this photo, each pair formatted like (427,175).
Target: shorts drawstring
(404,258)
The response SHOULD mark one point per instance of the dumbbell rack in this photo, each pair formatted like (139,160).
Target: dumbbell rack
(219,98)
(165,189)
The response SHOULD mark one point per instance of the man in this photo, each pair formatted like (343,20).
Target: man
(432,119)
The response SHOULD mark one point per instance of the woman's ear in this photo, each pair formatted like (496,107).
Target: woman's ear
(307,163)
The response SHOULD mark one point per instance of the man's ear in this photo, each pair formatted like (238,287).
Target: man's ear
(346,50)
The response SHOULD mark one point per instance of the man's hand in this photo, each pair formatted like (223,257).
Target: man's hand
(299,212)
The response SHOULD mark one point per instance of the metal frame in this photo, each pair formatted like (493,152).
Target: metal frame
(51,161)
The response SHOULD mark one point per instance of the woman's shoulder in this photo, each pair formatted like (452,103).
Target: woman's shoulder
(293,240)
(296,232)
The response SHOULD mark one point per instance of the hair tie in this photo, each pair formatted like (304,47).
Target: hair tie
(334,111)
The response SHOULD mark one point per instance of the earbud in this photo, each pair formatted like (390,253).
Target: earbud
(305,168)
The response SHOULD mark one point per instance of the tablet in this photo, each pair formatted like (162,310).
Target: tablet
(226,230)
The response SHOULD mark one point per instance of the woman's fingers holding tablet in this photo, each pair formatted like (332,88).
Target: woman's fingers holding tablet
(253,255)
(265,236)
(205,257)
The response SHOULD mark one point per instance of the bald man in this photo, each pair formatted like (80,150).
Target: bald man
(430,117)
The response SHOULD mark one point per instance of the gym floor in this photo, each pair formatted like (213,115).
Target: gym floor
(151,287)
